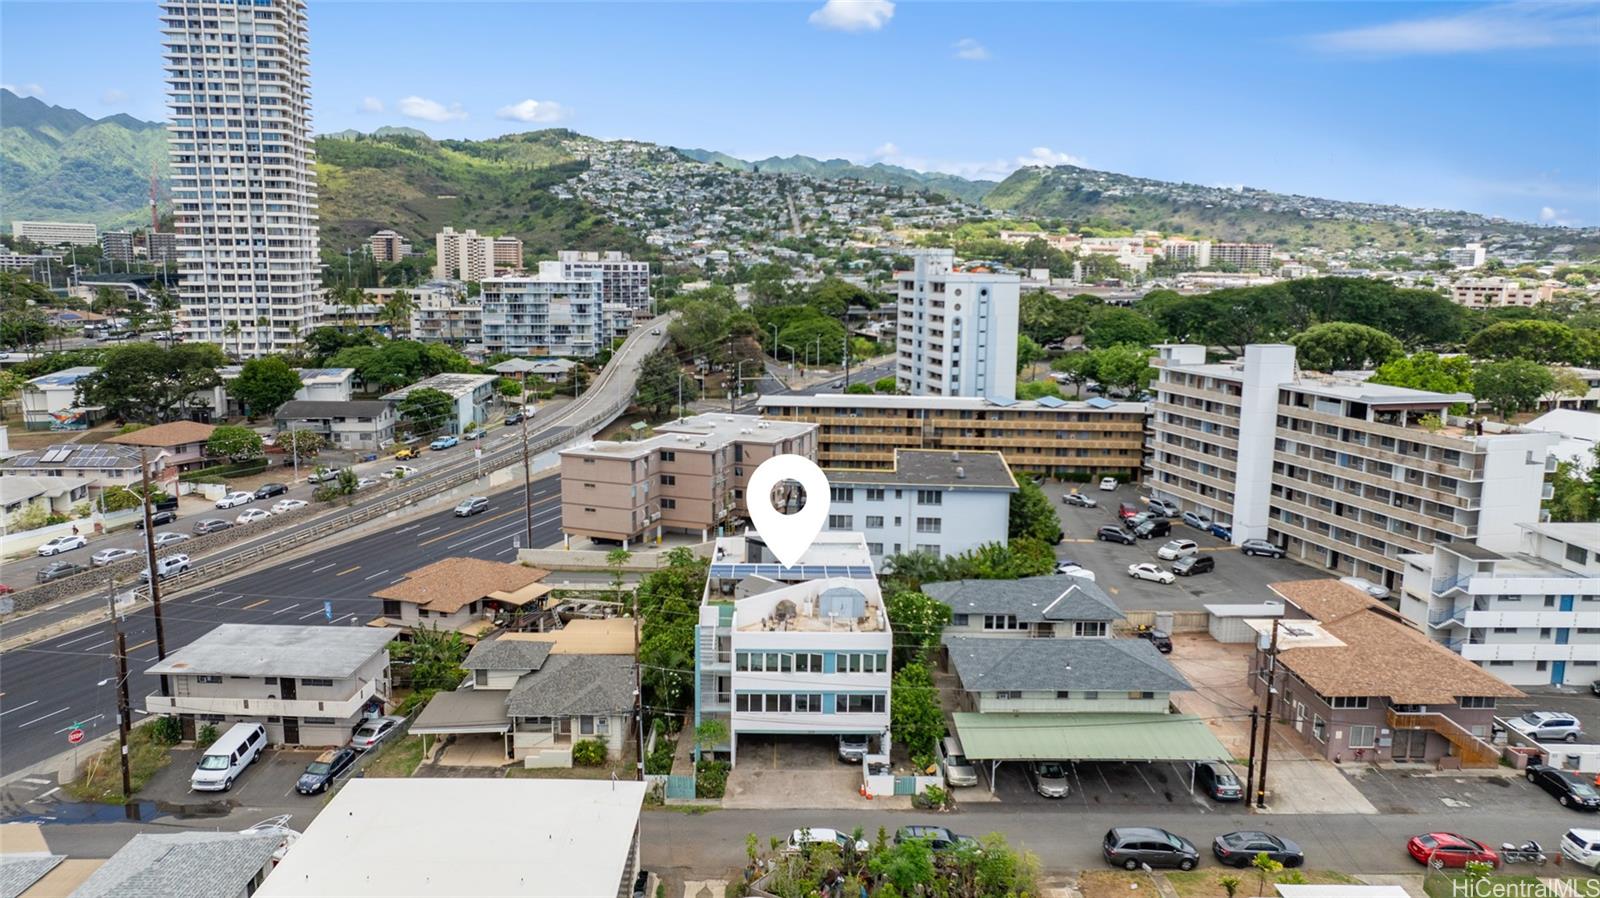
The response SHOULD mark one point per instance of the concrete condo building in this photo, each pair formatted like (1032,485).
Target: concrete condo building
(556,312)
(244,189)
(117,246)
(942,503)
(690,476)
(388,246)
(1345,475)
(957,330)
(622,280)
(1043,436)
(161,246)
(56,233)
(1494,293)
(1243,256)
(508,253)
(1531,616)
(463,256)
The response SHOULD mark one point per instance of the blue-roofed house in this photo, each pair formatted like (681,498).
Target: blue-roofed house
(50,401)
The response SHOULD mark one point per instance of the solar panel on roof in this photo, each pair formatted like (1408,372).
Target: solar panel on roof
(1002,401)
(779,572)
(1051,401)
(1100,402)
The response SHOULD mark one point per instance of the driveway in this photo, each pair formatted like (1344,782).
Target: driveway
(799,771)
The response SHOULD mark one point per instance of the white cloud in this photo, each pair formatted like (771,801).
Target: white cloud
(112,97)
(984,169)
(25,90)
(970,50)
(853,15)
(886,150)
(1047,156)
(534,111)
(1552,216)
(431,110)
(371,104)
(1509,26)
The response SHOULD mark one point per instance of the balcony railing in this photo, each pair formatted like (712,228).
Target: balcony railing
(1441,587)
(1449,616)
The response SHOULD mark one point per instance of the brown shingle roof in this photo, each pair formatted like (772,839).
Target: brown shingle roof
(448,585)
(1382,655)
(173,433)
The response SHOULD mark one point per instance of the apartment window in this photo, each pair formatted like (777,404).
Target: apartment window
(1477,701)
(1348,702)
(840,521)
(668,480)
(958,620)
(1137,695)
(314,681)
(317,721)
(874,521)
(1089,628)
(929,525)
(668,456)
(842,494)
(1090,696)
(1363,736)
(1319,728)
(669,503)
(1499,663)
(208,679)
(808,703)
(1009,694)
(808,662)
(930,497)
(874,494)
(859,704)
(1063,694)
(1577,554)
(1002,622)
(928,548)
(1505,630)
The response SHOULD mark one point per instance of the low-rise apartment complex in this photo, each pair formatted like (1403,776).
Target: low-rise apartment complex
(1530,616)
(473,394)
(1345,475)
(1040,436)
(942,503)
(689,476)
(56,233)
(355,425)
(1497,292)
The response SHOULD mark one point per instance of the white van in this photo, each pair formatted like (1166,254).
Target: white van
(227,757)
(958,771)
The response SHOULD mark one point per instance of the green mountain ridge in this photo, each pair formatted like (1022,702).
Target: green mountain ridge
(836,169)
(57,163)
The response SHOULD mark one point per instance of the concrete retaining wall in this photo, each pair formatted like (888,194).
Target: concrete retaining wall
(1182,621)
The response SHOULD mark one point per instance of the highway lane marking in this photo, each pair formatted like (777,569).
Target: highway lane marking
(408,529)
(488,520)
(318,570)
(45,795)
(348,570)
(428,531)
(256,604)
(290,608)
(72,726)
(19,707)
(505,550)
(296,567)
(45,717)
(378,574)
(229,601)
(142,644)
(79,639)
(99,644)
(313,613)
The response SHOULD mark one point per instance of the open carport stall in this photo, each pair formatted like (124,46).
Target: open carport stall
(464,712)
(1022,736)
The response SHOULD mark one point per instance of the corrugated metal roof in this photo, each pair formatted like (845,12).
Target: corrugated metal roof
(1087,737)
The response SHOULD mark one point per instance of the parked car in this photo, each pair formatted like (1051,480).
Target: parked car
(822,835)
(1569,789)
(1220,531)
(322,475)
(444,442)
(1178,548)
(1547,726)
(6,590)
(1080,500)
(1126,510)
(471,505)
(58,569)
(285,505)
(1217,779)
(938,837)
(958,771)
(1155,527)
(321,773)
(1582,847)
(407,453)
(1189,565)
(473,434)
(1074,569)
(237,497)
(1239,849)
(57,545)
(1130,846)
(1197,520)
(170,539)
(853,748)
(1146,570)
(513,418)
(1450,850)
(1161,639)
(176,563)
(1139,520)
(1595,687)
(1165,507)
(1260,547)
(1049,778)
(399,472)
(110,556)
(226,759)
(373,731)
(268,490)
(1366,586)
(157,518)
(1114,535)
(211,525)
(252,515)
(1108,483)
(365,482)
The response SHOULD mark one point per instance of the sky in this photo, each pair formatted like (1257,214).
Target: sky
(1491,108)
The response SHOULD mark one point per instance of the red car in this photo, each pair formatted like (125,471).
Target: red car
(1450,850)
(4,589)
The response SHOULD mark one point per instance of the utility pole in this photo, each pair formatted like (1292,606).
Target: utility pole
(1250,766)
(527,476)
(150,556)
(122,688)
(847,359)
(638,686)
(1266,724)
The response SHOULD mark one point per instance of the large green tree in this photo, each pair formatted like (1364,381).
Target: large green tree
(1537,341)
(1341,346)
(1028,352)
(149,383)
(1511,386)
(1575,490)
(918,621)
(264,384)
(1427,371)
(914,714)
(1046,318)
(668,601)
(1113,325)
(658,383)
(234,443)
(1032,515)
(1123,366)
(426,410)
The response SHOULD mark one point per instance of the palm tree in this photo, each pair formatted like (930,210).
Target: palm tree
(231,331)
(167,307)
(351,298)
(397,311)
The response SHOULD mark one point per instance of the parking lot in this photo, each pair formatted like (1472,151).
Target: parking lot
(792,771)
(1096,784)
(1238,579)
(268,783)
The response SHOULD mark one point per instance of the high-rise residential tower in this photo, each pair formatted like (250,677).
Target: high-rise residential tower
(957,328)
(244,190)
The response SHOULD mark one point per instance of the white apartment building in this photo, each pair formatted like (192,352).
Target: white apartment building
(1345,475)
(444,314)
(942,503)
(1530,616)
(793,651)
(1488,293)
(463,255)
(957,330)
(1473,255)
(1195,253)
(244,186)
(623,281)
(117,246)
(554,313)
(55,233)
(1243,256)
(388,246)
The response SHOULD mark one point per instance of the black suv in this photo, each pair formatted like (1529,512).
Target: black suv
(1130,846)
(268,490)
(1161,639)
(1153,528)
(1114,535)
(1194,564)
(321,773)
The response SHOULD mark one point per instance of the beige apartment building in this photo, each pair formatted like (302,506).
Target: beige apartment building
(1344,475)
(508,253)
(464,256)
(388,246)
(1043,436)
(1494,293)
(689,476)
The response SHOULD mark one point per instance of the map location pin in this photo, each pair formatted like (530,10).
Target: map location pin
(788,535)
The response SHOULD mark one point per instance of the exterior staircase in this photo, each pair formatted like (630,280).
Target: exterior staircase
(1472,750)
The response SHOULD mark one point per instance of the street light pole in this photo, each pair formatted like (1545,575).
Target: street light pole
(527,476)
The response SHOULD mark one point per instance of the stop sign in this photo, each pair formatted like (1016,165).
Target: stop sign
(75,735)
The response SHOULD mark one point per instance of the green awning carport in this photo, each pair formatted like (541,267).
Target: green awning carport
(1086,737)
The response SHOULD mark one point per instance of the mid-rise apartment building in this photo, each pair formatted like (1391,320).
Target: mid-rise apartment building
(793,651)
(1473,255)
(508,253)
(1193,253)
(446,315)
(56,233)
(463,256)
(623,281)
(689,476)
(957,329)
(388,246)
(161,246)
(1530,616)
(941,503)
(1243,256)
(117,246)
(1497,292)
(555,312)
(243,164)
(1345,475)
(1041,436)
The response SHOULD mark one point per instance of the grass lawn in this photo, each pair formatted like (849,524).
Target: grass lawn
(102,778)
(398,759)
(1444,885)
(623,769)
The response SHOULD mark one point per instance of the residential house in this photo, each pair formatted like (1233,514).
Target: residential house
(461,594)
(1016,674)
(186,864)
(19,496)
(1058,605)
(550,371)
(309,685)
(50,401)
(105,466)
(941,503)
(1356,681)
(357,425)
(180,445)
(473,394)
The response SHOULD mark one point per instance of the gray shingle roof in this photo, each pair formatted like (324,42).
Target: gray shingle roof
(929,467)
(18,872)
(574,684)
(1032,600)
(332,408)
(989,664)
(181,865)
(507,654)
